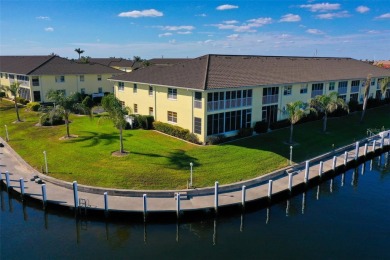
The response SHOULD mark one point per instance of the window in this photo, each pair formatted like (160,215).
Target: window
(372,82)
(11,76)
(354,96)
(82,91)
(197,125)
(331,86)
(287,90)
(355,83)
(303,89)
(172,117)
(60,79)
(172,93)
(99,77)
(121,86)
(343,97)
(100,90)
(135,108)
(198,100)
(35,81)
(343,87)
(317,89)
(150,91)
(22,78)
(151,112)
(81,78)
(62,91)
(135,88)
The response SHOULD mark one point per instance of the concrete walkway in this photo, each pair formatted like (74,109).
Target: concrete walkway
(62,193)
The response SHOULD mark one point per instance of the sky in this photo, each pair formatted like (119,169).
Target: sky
(189,29)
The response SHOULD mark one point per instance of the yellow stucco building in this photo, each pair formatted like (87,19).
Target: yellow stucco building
(219,94)
(38,74)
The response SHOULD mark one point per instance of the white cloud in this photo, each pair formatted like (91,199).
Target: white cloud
(383,16)
(259,22)
(165,35)
(330,16)
(233,37)
(290,18)
(208,41)
(186,32)
(314,31)
(323,7)
(172,41)
(178,28)
(245,27)
(46,18)
(49,29)
(231,22)
(143,13)
(201,15)
(226,7)
(362,9)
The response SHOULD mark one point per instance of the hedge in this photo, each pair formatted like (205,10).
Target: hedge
(33,106)
(176,131)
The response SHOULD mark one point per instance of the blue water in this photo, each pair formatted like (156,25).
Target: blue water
(347,217)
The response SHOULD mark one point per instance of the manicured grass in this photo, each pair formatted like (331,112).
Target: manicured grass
(157,161)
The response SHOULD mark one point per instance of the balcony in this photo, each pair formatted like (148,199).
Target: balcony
(230,103)
(270,99)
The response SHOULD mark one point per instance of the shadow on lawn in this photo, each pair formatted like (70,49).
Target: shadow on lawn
(178,159)
(96,138)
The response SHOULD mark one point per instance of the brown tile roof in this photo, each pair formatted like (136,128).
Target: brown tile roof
(51,65)
(113,62)
(22,64)
(167,61)
(230,71)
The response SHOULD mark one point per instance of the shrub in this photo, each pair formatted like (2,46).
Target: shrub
(280,124)
(216,139)
(46,120)
(175,131)
(97,100)
(354,105)
(87,102)
(144,122)
(261,127)
(33,106)
(22,101)
(244,132)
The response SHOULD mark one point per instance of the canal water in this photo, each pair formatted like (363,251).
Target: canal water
(347,217)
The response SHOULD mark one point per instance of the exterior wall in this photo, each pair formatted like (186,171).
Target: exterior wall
(186,112)
(72,84)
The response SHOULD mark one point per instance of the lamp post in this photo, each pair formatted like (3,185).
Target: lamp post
(191,164)
(44,154)
(291,148)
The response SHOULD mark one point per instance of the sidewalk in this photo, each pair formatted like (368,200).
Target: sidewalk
(61,193)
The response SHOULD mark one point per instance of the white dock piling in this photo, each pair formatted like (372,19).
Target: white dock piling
(44,196)
(216,196)
(75,195)
(345,158)
(178,204)
(334,163)
(243,195)
(357,151)
(269,188)
(7,179)
(105,195)
(21,181)
(144,199)
(307,168)
(320,169)
(373,145)
(365,149)
(290,179)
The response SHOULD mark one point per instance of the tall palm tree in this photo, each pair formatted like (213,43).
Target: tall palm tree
(116,113)
(79,51)
(327,104)
(137,58)
(295,112)
(64,106)
(384,84)
(366,93)
(14,89)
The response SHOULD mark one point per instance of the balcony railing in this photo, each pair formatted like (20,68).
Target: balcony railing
(270,99)
(315,93)
(230,103)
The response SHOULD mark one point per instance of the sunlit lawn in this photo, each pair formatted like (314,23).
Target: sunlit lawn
(157,161)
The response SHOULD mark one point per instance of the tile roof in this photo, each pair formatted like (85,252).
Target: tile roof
(111,62)
(50,65)
(230,71)
(167,61)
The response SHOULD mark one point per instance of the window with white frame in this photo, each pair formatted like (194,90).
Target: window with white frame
(135,108)
(303,89)
(82,91)
(198,125)
(35,81)
(332,86)
(100,90)
(121,86)
(150,91)
(172,117)
(81,78)
(287,90)
(372,82)
(355,83)
(60,79)
(151,111)
(99,77)
(198,100)
(172,93)
(135,88)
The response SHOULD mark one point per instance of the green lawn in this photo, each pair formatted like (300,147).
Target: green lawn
(157,161)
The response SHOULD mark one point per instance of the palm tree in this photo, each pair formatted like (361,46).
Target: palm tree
(116,113)
(295,112)
(14,89)
(366,93)
(327,104)
(64,106)
(384,84)
(137,58)
(79,51)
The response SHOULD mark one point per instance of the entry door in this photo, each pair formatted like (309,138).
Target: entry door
(37,96)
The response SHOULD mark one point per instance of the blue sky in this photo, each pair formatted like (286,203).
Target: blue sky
(180,28)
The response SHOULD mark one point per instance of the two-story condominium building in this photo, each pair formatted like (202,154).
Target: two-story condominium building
(219,94)
(38,74)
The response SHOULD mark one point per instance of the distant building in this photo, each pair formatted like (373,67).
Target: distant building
(38,74)
(382,64)
(219,94)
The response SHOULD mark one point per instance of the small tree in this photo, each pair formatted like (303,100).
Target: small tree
(366,93)
(64,106)
(327,104)
(295,112)
(79,51)
(14,90)
(116,113)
